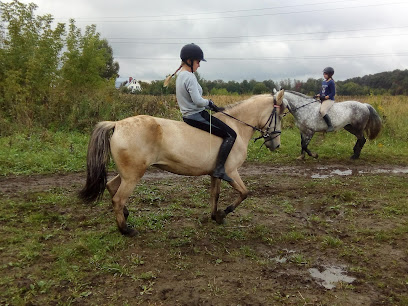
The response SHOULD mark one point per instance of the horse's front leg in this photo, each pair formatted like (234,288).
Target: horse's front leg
(239,186)
(215,194)
(305,140)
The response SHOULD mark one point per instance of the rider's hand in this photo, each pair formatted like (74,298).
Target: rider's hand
(214,107)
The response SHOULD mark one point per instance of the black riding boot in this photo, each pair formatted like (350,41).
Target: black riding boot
(328,122)
(225,149)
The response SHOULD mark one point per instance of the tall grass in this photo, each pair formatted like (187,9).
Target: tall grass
(60,146)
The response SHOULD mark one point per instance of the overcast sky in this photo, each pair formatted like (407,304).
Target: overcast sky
(256,39)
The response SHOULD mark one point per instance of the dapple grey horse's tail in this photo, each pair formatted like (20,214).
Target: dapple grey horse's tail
(97,160)
(374,123)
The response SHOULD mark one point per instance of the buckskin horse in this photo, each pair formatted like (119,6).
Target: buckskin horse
(138,142)
(355,117)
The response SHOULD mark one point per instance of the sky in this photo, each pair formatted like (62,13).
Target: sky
(258,39)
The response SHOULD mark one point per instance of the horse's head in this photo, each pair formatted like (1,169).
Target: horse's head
(273,125)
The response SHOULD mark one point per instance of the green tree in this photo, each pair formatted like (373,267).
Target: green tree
(260,88)
(111,66)
(87,61)
(29,57)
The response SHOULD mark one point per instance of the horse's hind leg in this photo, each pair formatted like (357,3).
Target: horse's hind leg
(119,200)
(360,140)
(358,147)
(113,186)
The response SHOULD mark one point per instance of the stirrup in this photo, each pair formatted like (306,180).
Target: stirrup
(223,176)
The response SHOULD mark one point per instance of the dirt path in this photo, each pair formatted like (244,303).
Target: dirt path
(16,184)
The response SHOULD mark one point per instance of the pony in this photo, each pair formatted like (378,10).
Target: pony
(355,117)
(135,143)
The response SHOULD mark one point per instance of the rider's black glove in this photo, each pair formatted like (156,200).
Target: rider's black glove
(214,107)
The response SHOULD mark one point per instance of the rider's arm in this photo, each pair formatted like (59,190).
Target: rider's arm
(332,90)
(193,89)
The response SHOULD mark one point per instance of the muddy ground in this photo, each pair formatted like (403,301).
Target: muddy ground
(307,234)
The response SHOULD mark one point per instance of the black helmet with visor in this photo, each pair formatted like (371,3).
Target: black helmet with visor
(191,52)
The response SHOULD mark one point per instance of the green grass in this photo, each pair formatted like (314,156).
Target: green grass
(43,152)
(62,152)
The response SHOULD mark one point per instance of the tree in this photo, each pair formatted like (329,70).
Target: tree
(260,88)
(245,87)
(29,57)
(111,67)
(88,60)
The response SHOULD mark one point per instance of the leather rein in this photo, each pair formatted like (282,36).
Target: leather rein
(267,135)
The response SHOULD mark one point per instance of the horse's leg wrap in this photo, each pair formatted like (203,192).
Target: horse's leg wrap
(358,147)
(304,143)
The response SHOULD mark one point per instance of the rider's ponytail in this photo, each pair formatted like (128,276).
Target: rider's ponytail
(167,80)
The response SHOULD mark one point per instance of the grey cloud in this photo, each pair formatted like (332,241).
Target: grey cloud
(294,51)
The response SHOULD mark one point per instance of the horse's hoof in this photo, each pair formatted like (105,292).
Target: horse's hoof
(315,155)
(129,232)
(353,157)
(220,217)
(301,157)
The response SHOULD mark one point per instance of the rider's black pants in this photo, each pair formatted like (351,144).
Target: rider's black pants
(201,121)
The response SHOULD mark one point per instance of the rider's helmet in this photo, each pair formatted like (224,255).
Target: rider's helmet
(329,71)
(191,52)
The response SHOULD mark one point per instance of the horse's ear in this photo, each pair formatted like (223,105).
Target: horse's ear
(274,91)
(279,97)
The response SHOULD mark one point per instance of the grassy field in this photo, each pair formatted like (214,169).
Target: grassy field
(43,151)
(55,250)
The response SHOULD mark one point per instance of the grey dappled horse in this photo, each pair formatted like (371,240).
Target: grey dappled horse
(355,117)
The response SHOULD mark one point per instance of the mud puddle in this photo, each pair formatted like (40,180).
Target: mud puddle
(36,182)
(331,276)
(326,172)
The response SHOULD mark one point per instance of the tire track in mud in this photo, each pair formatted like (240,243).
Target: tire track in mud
(41,182)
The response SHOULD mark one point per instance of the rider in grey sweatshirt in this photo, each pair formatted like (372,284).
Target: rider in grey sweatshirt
(189,94)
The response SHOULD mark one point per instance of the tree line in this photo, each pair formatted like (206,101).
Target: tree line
(47,71)
(392,83)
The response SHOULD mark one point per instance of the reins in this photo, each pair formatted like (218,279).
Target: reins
(265,132)
(314,100)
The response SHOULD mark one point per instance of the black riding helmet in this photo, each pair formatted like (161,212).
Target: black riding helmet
(329,71)
(191,52)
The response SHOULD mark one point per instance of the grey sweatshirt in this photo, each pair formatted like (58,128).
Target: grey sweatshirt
(189,94)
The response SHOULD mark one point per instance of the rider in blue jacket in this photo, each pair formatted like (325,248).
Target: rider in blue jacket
(326,96)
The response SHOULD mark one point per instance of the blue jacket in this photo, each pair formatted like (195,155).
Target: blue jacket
(328,89)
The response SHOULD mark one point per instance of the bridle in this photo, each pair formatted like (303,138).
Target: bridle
(266,134)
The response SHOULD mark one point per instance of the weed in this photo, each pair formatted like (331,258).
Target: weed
(332,242)
(299,259)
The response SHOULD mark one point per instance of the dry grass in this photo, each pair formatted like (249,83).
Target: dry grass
(393,110)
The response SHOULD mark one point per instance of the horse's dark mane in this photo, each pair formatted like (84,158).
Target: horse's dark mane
(229,106)
(299,94)
(233,105)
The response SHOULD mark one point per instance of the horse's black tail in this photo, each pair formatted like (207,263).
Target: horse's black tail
(97,160)
(374,123)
